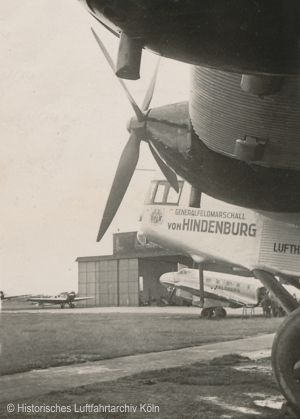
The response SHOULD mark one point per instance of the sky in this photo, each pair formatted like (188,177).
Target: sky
(63,122)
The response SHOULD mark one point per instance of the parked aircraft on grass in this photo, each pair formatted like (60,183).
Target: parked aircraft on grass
(220,290)
(237,139)
(63,299)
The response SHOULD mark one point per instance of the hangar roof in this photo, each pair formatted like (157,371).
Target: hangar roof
(145,254)
(126,246)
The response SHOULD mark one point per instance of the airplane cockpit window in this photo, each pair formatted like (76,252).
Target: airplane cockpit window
(173,196)
(151,193)
(162,193)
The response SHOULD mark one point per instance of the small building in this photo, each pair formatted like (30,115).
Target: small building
(128,277)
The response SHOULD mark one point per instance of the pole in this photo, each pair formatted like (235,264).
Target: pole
(201,284)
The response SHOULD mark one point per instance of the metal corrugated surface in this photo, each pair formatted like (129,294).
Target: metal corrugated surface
(107,278)
(87,283)
(110,282)
(280,246)
(128,282)
(221,112)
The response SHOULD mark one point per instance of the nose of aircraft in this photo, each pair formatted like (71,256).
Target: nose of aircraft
(167,279)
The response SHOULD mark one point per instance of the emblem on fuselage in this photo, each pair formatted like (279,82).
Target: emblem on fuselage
(156,216)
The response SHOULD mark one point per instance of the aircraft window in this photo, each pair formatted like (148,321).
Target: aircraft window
(160,192)
(173,196)
(151,193)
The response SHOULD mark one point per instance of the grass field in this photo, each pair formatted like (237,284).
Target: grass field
(40,340)
(224,388)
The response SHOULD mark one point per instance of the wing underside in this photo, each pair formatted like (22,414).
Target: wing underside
(57,300)
(220,295)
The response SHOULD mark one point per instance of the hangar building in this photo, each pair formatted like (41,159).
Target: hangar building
(128,277)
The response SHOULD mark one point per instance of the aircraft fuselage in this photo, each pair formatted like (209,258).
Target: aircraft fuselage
(235,291)
(221,232)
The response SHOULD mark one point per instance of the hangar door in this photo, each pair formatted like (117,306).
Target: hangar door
(98,280)
(110,282)
(107,283)
(87,283)
(128,282)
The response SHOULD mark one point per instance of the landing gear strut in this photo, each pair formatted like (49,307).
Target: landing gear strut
(286,345)
(286,359)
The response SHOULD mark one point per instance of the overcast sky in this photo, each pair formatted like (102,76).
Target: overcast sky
(63,126)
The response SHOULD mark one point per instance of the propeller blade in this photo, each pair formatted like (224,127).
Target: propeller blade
(125,170)
(139,114)
(150,91)
(167,171)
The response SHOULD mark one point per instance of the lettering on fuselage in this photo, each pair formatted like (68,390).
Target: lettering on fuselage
(287,248)
(209,213)
(227,288)
(215,227)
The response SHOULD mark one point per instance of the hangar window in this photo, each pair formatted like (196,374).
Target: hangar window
(162,193)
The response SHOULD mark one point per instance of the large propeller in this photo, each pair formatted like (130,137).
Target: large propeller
(130,155)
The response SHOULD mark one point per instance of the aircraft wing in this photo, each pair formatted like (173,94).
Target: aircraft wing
(50,300)
(82,298)
(15,297)
(220,295)
(235,298)
(195,291)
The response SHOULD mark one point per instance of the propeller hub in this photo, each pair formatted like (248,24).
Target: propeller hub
(138,127)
